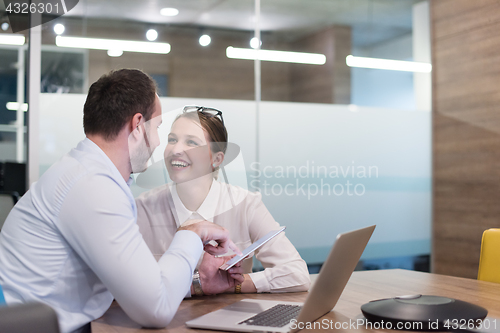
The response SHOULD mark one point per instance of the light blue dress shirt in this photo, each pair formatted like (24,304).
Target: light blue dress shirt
(72,242)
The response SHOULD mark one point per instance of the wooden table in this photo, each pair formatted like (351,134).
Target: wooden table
(362,287)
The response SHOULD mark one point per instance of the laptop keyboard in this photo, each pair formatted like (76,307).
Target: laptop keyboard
(277,316)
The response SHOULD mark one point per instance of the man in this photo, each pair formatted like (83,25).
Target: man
(72,241)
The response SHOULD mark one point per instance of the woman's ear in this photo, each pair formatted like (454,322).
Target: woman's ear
(217,158)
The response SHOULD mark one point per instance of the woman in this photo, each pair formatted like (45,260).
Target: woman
(195,150)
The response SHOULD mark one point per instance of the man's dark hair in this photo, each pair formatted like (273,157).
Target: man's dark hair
(115,98)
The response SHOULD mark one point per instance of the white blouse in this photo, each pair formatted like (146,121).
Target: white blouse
(160,212)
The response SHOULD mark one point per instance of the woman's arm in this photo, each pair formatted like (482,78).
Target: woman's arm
(285,270)
(156,220)
(247,286)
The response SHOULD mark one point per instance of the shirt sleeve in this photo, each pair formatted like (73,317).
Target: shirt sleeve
(285,270)
(97,220)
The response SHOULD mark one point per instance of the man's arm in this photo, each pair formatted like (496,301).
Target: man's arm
(98,222)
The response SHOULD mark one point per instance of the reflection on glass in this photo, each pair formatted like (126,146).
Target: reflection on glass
(329,114)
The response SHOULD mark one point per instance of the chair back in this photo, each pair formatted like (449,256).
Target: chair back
(13,177)
(29,317)
(2,298)
(489,262)
(7,201)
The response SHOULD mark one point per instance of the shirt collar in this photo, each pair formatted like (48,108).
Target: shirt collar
(206,210)
(92,146)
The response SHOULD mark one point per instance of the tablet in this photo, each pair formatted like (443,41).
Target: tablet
(270,235)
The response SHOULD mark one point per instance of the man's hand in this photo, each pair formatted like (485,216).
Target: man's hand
(209,231)
(215,281)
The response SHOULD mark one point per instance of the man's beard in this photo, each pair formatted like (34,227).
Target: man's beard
(139,162)
(139,158)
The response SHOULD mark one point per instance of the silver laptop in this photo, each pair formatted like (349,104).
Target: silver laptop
(253,315)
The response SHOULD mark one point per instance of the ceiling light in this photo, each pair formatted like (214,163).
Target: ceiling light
(205,40)
(14,106)
(151,35)
(12,39)
(112,44)
(5,26)
(393,65)
(59,29)
(280,56)
(115,53)
(169,11)
(254,43)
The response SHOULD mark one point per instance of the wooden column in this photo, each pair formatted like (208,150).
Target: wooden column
(328,83)
(466,125)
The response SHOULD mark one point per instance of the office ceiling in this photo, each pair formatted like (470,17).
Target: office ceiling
(373,21)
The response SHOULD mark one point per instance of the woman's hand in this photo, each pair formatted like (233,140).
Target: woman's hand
(215,281)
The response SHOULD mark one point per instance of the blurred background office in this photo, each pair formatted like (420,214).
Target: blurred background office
(331,144)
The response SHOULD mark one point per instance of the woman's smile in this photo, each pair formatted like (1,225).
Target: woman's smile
(179,164)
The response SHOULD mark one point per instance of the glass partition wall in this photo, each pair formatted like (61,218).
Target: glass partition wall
(330,144)
(12,108)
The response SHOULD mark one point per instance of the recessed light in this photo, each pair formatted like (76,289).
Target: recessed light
(205,40)
(59,28)
(5,26)
(169,11)
(254,43)
(151,35)
(115,53)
